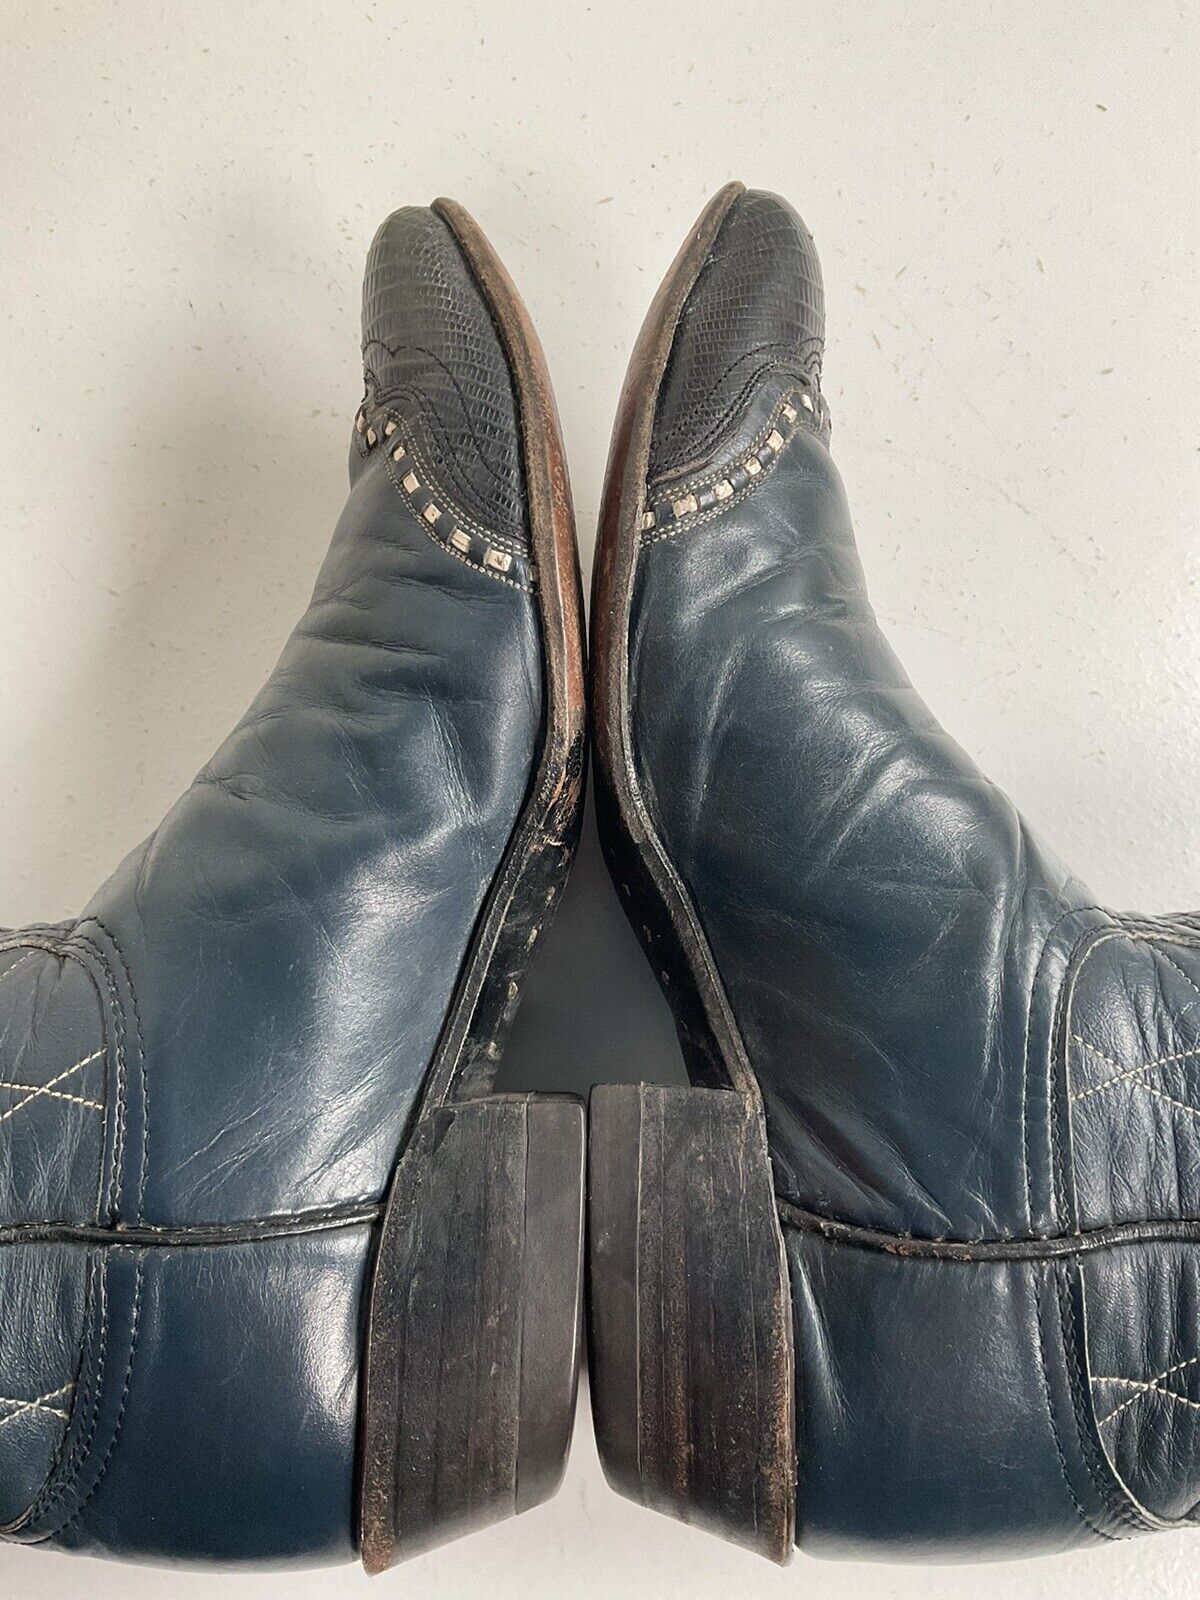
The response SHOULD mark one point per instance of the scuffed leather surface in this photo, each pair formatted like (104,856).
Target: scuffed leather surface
(952,1039)
(431,349)
(257,994)
(756,316)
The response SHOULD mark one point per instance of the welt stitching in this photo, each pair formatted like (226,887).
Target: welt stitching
(969,1252)
(148,1235)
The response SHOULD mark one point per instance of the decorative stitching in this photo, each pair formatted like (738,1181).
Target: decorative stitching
(1053,1153)
(1154,938)
(1122,1071)
(37,1090)
(1171,962)
(702,497)
(1047,1396)
(1158,1094)
(1145,1386)
(62,1481)
(493,554)
(117,1014)
(8,971)
(25,1406)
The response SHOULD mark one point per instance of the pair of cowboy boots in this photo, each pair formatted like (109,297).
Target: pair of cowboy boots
(910,1269)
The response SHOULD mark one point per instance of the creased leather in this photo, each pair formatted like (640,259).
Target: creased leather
(238,1025)
(952,1039)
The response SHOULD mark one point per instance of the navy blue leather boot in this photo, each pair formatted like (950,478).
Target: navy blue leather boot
(280,1279)
(913,1268)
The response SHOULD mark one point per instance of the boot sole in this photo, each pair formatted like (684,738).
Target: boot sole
(691,1358)
(475,1310)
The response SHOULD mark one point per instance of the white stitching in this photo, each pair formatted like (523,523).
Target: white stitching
(707,476)
(1123,1072)
(24,1406)
(1171,962)
(8,971)
(48,1088)
(1145,1386)
(33,1090)
(1179,1105)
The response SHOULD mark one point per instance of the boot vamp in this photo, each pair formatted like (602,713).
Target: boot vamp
(876,908)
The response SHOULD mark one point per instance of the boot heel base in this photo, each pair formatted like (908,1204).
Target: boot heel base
(691,1342)
(473,1339)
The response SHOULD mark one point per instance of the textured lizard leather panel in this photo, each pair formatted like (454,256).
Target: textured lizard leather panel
(234,1034)
(756,314)
(953,1041)
(431,350)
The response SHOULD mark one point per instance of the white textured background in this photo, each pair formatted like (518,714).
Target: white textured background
(1006,199)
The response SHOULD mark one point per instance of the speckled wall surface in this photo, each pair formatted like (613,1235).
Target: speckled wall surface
(1007,201)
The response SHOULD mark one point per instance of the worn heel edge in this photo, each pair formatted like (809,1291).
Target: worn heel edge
(473,1340)
(692,1374)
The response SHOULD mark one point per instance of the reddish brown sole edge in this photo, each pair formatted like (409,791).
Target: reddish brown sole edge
(687,1422)
(481,1245)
